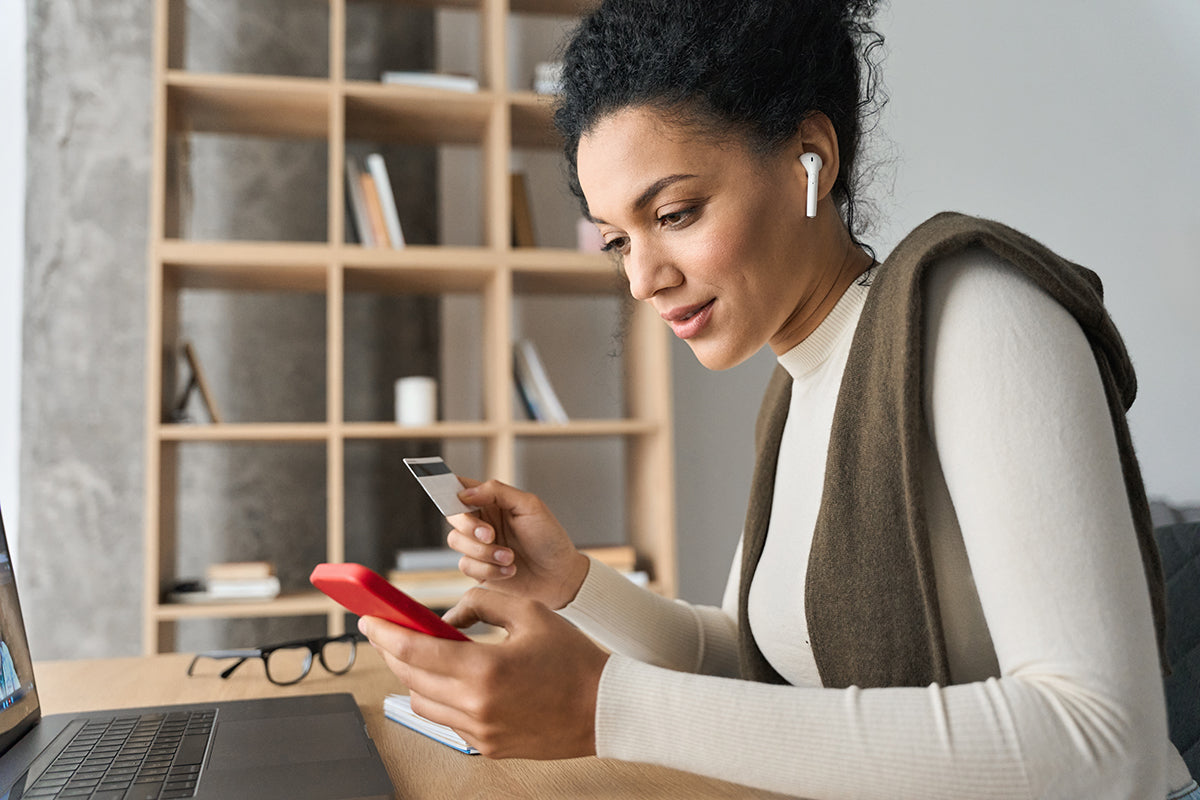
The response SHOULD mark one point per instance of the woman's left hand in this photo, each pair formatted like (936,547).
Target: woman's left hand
(532,695)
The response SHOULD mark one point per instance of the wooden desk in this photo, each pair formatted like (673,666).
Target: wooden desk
(419,767)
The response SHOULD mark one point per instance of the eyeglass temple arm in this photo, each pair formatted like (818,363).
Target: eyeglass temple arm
(240,655)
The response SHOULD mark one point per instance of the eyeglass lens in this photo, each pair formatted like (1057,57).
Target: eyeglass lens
(288,664)
(338,655)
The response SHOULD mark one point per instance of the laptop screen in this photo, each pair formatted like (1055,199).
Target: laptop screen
(19,708)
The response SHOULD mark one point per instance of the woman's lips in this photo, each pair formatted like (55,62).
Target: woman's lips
(688,321)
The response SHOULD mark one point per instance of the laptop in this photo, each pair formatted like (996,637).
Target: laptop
(312,747)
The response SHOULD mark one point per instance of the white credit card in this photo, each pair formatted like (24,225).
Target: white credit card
(440,483)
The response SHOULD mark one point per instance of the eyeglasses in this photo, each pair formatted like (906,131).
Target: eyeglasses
(289,662)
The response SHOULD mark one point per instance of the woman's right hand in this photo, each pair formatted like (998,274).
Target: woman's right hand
(514,544)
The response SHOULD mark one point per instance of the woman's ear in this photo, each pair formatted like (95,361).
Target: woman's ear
(815,150)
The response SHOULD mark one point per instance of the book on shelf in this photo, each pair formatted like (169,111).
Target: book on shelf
(239,570)
(449,81)
(533,385)
(356,194)
(387,199)
(375,221)
(196,381)
(243,588)
(522,218)
(435,588)
(426,558)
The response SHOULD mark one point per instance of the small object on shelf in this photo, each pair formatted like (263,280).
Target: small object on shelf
(196,381)
(522,218)
(387,199)
(379,234)
(432,80)
(548,77)
(194,591)
(358,202)
(533,384)
(427,558)
(416,400)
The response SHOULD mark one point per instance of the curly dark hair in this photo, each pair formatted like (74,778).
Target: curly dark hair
(754,68)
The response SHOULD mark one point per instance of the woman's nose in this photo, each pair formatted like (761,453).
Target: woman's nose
(649,271)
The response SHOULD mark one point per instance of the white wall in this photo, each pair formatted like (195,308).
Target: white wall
(12,253)
(1076,121)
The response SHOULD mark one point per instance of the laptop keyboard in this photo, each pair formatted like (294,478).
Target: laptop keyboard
(149,757)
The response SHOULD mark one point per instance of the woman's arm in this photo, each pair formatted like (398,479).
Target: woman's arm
(650,628)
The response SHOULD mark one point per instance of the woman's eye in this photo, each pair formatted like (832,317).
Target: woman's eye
(617,244)
(676,218)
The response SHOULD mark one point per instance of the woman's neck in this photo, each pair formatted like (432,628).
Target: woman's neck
(846,263)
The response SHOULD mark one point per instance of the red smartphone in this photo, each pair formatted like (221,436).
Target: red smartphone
(368,594)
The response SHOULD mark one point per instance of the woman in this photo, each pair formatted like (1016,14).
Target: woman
(946,585)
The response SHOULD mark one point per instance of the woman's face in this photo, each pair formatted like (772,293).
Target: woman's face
(710,235)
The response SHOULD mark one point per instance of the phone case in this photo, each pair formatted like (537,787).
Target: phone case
(368,594)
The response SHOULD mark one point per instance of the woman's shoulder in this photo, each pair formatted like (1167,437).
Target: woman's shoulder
(978,282)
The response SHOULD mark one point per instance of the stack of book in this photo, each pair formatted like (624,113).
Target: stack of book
(431,576)
(372,202)
(448,81)
(239,581)
(242,580)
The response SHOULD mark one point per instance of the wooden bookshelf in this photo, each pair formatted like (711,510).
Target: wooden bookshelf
(333,110)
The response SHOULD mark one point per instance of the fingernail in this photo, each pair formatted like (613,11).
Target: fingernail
(504,556)
(507,571)
(483,534)
(362,625)
(467,494)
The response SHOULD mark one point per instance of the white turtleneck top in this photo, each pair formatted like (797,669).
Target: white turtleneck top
(1056,690)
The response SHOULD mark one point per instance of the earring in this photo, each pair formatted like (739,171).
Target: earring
(812,165)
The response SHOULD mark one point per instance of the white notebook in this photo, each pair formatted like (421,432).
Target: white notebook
(398,707)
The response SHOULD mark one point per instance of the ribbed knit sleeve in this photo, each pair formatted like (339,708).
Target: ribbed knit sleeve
(651,628)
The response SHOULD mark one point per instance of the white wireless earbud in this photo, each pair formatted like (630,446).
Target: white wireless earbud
(812,165)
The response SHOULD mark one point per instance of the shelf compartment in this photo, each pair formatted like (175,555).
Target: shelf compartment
(555,469)
(386,509)
(279,38)
(264,356)
(248,104)
(532,121)
(578,338)
(416,115)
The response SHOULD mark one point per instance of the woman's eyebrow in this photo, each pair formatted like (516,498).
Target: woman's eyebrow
(651,191)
